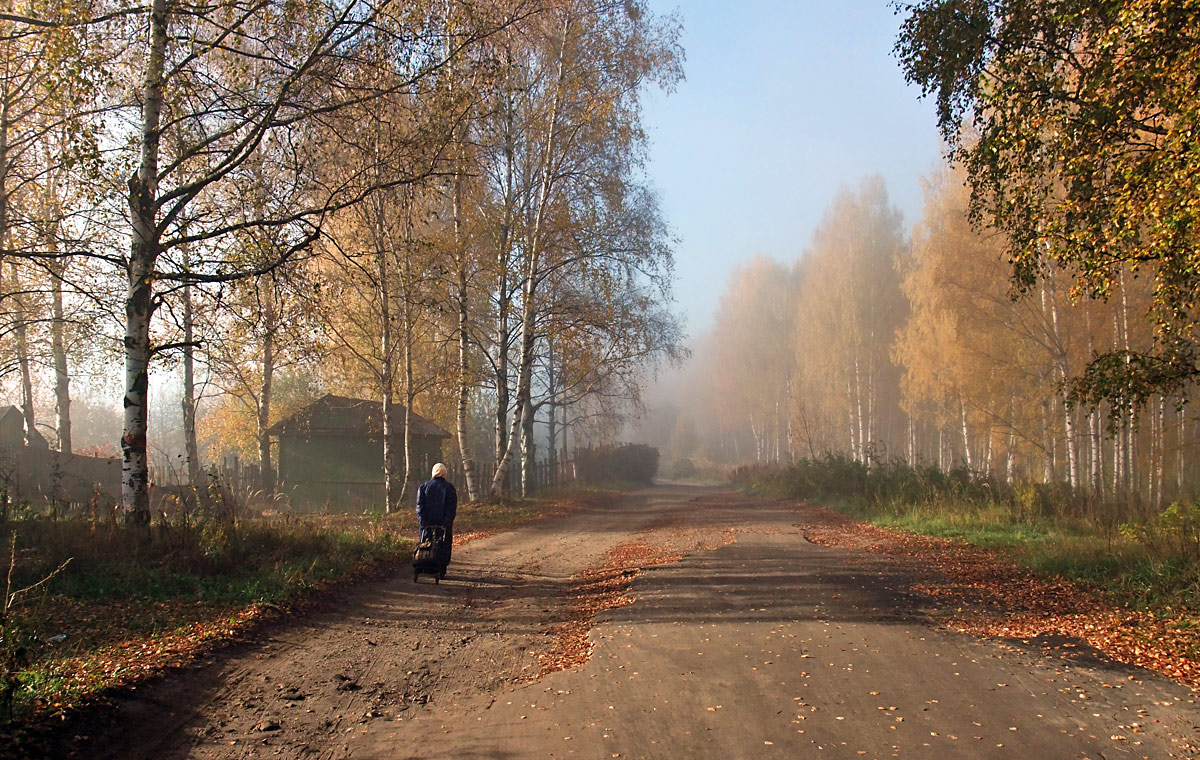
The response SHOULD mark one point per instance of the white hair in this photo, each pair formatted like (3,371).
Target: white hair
(439,470)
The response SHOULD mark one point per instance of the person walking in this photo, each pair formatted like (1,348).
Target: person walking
(437,504)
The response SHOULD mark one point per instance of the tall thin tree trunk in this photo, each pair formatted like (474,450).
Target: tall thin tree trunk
(188,400)
(1127,422)
(966,436)
(1010,459)
(911,440)
(1159,475)
(1048,474)
(1050,309)
(1072,451)
(850,418)
(504,299)
(410,390)
(62,377)
(503,336)
(528,450)
(22,348)
(524,381)
(859,421)
(391,494)
(143,255)
(266,467)
(464,346)
(552,422)
(1095,443)
(1180,443)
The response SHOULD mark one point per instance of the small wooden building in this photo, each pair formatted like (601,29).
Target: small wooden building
(330,454)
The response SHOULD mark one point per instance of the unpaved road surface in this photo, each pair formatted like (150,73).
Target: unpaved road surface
(755,643)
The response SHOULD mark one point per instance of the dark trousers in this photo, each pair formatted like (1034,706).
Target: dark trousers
(447,542)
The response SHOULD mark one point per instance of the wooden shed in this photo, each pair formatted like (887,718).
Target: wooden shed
(330,454)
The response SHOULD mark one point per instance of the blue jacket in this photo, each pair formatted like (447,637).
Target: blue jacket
(437,503)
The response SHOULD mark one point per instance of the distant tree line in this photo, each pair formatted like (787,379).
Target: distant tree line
(1039,324)
(876,345)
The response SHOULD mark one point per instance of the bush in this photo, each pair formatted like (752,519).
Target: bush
(877,485)
(682,468)
(621,463)
(1176,530)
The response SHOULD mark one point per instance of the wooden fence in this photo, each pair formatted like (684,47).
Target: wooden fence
(545,474)
(45,476)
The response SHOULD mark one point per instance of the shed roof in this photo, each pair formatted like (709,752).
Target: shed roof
(339,415)
(13,433)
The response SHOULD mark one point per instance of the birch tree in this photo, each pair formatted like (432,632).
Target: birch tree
(590,64)
(227,83)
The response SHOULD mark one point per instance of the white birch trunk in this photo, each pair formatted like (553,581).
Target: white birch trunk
(504,304)
(391,494)
(143,255)
(1010,462)
(966,437)
(464,352)
(21,334)
(1072,452)
(1048,474)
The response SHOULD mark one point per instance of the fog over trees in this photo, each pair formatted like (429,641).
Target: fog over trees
(1038,322)
(882,342)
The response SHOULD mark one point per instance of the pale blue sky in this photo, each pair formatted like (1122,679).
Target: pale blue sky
(784,102)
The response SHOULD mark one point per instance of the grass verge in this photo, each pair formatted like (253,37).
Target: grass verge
(1130,572)
(127,606)
(1137,560)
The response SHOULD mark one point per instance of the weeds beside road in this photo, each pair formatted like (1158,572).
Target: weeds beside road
(1132,576)
(127,606)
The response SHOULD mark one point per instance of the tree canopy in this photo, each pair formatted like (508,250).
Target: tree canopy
(1075,122)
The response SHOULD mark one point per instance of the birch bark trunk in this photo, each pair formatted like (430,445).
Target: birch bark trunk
(464,346)
(143,255)
(391,496)
(504,301)
(410,391)
(530,277)
(966,436)
(1050,307)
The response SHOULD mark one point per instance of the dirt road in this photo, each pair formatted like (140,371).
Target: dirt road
(755,643)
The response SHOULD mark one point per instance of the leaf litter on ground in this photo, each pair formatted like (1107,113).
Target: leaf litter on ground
(986,594)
